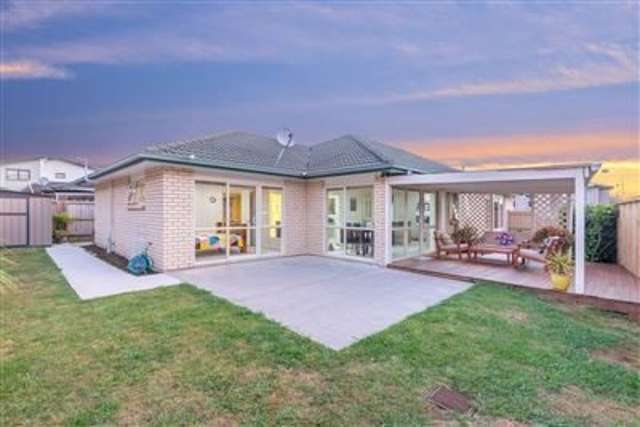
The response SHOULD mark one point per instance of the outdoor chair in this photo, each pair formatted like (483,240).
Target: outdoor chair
(529,252)
(446,246)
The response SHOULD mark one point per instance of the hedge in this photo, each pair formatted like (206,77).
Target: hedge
(601,233)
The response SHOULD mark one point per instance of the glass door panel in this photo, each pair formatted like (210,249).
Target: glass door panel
(210,223)
(242,220)
(412,222)
(429,221)
(359,225)
(271,221)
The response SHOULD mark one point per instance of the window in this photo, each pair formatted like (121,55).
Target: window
(350,230)
(17,174)
(136,199)
(60,175)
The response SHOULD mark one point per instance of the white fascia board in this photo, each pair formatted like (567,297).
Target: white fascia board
(486,176)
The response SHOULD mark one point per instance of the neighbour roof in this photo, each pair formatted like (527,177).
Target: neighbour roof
(254,153)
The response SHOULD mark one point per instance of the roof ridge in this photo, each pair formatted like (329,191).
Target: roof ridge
(365,144)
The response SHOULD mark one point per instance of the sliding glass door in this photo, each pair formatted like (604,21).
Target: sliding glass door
(349,226)
(226,220)
(413,221)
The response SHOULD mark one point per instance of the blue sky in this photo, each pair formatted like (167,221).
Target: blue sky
(466,83)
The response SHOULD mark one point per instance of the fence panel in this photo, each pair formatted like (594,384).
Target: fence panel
(520,221)
(25,220)
(40,221)
(629,236)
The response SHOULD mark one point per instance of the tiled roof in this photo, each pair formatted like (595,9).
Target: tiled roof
(254,153)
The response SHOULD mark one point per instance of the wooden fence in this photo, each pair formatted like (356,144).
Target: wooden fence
(629,236)
(82,217)
(25,219)
(520,221)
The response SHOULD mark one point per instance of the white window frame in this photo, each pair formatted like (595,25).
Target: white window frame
(258,228)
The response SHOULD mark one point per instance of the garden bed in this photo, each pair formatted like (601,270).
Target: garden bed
(112,258)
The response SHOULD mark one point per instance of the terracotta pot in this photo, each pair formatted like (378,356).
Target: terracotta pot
(560,282)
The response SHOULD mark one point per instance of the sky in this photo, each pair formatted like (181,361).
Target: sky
(471,84)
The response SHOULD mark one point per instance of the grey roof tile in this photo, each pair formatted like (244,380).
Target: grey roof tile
(255,153)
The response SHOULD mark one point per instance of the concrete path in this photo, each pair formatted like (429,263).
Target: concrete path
(331,301)
(92,278)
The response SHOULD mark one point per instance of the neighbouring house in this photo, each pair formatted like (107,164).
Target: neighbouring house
(24,174)
(239,196)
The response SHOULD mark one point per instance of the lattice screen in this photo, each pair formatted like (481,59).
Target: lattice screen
(475,209)
(551,209)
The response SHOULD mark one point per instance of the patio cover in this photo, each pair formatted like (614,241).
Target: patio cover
(570,179)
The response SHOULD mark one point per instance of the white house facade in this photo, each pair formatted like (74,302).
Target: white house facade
(19,175)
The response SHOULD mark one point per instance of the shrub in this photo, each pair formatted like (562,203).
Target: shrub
(61,220)
(601,233)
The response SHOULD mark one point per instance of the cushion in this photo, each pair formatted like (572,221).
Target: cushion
(531,254)
(444,238)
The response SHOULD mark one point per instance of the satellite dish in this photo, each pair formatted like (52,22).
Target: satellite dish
(285,137)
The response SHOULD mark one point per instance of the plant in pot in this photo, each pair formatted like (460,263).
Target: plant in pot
(560,267)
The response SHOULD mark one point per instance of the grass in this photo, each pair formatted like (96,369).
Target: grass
(179,356)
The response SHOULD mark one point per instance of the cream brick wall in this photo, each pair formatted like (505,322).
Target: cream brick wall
(166,221)
(294,218)
(315,230)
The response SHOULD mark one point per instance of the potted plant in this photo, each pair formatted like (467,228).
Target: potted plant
(560,266)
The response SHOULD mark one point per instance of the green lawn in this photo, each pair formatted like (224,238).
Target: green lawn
(178,356)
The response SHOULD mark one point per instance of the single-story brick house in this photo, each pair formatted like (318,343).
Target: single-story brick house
(238,196)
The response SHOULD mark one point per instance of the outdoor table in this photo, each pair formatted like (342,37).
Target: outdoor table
(488,248)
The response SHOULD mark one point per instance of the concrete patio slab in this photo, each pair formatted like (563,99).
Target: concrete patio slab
(331,301)
(90,277)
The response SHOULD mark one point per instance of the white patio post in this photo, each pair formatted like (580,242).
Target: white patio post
(443,211)
(259,220)
(580,196)
(388,217)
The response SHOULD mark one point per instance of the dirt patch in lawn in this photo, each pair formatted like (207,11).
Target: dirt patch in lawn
(514,316)
(574,402)
(627,356)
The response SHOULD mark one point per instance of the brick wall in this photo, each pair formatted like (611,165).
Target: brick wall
(315,230)
(294,218)
(166,221)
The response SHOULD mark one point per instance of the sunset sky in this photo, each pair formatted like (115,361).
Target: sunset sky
(471,84)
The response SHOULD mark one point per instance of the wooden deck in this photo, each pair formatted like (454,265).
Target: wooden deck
(605,281)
